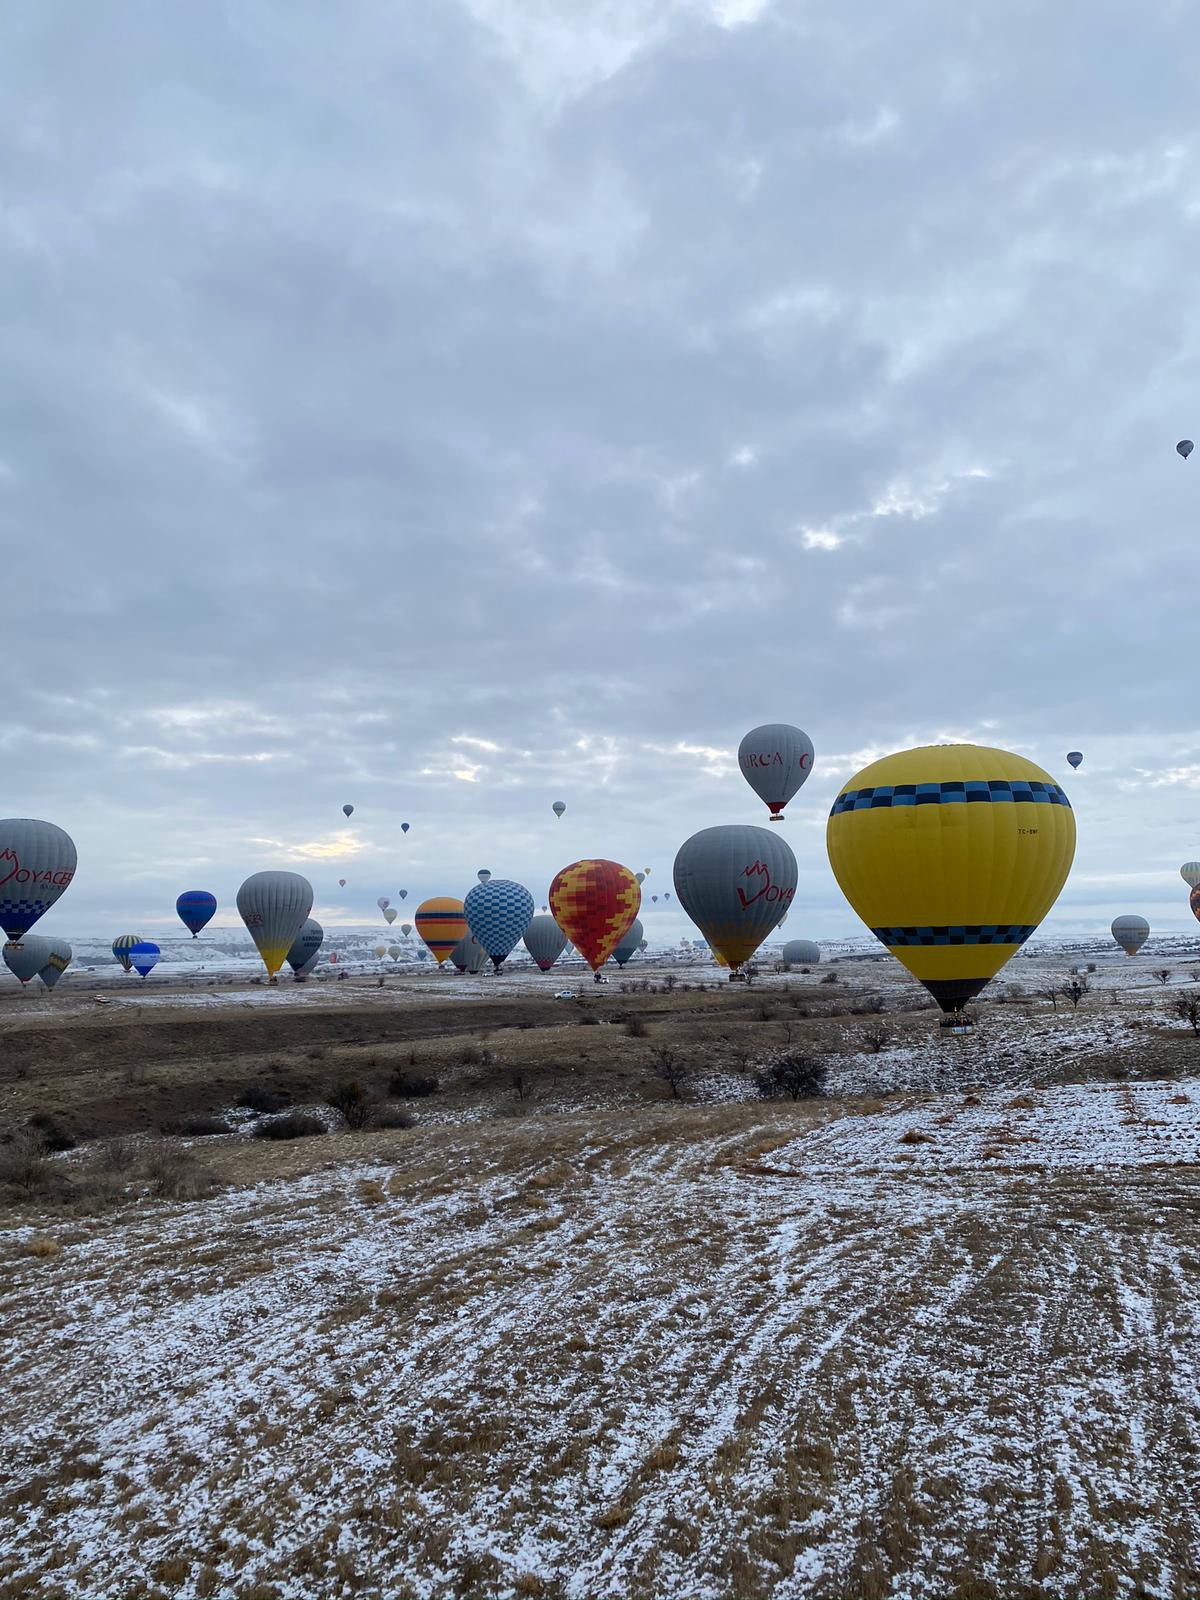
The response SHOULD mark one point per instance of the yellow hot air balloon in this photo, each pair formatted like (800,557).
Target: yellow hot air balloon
(952,855)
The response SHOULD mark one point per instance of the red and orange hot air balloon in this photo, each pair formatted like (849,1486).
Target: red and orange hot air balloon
(595,904)
(1194,901)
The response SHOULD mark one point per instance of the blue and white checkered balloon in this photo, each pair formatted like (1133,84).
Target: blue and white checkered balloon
(498,912)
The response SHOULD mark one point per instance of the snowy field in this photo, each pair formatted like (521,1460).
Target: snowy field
(934,1347)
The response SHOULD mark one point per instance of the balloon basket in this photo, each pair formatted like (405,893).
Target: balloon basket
(778,817)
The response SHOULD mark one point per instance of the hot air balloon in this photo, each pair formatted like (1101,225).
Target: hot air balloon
(1131,933)
(383,902)
(347,811)
(26,957)
(735,883)
(775,760)
(498,912)
(121,947)
(441,924)
(667,895)
(195,908)
(802,952)
(558,808)
(1074,757)
(1190,873)
(395,951)
(302,956)
(595,903)
(645,872)
(144,956)
(545,941)
(629,944)
(37,862)
(274,906)
(641,878)
(381,950)
(1194,903)
(403,894)
(404,827)
(952,855)
(484,875)
(644,946)
(57,962)
(1185,448)
(469,955)
(341,883)
(390,915)
(406,928)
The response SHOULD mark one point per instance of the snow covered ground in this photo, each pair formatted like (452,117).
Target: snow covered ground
(947,1346)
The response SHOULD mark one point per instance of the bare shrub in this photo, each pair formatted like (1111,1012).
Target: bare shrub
(296,1125)
(51,1132)
(520,1082)
(589,1019)
(264,1098)
(1075,991)
(795,1074)
(1188,1008)
(201,1126)
(916,1136)
(118,1154)
(393,1117)
(40,1246)
(874,1038)
(668,1068)
(1050,994)
(174,1174)
(23,1162)
(636,1028)
(829,977)
(413,1085)
(351,1102)
(1163,974)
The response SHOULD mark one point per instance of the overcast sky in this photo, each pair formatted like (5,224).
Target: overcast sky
(452,407)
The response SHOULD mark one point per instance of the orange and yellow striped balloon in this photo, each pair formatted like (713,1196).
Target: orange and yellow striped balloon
(595,904)
(441,923)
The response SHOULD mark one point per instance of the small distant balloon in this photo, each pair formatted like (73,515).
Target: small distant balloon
(144,957)
(122,945)
(645,872)
(57,963)
(390,915)
(1190,873)
(383,902)
(406,928)
(1185,448)
(558,808)
(640,876)
(404,894)
(654,898)
(483,874)
(347,811)
(1074,757)
(405,826)
(1131,933)
(666,896)
(341,883)
(381,950)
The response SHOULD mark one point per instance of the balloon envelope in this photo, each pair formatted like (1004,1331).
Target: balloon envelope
(121,947)
(469,955)
(775,760)
(1074,757)
(390,915)
(595,902)
(406,928)
(404,894)
(26,957)
(348,811)
(498,912)
(1194,902)
(558,808)
(383,902)
(1190,873)
(483,875)
(306,945)
(341,883)
(802,952)
(57,962)
(1131,933)
(630,942)
(952,855)
(735,882)
(1185,448)
(395,951)
(381,950)
(195,908)
(545,941)
(441,924)
(404,827)
(144,956)
(37,862)
(274,906)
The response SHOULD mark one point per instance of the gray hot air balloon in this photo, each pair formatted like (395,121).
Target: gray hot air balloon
(37,862)
(775,760)
(1131,933)
(484,875)
(274,907)
(735,883)
(469,955)
(558,808)
(305,946)
(390,915)
(545,941)
(347,811)
(1185,448)
(1190,873)
(26,957)
(395,952)
(802,952)
(630,944)
(60,960)
(406,928)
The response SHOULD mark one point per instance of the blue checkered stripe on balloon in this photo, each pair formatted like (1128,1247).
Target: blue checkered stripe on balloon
(963,933)
(497,914)
(965,791)
(18,916)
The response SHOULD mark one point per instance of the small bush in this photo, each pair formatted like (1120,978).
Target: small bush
(589,1020)
(263,1098)
(51,1132)
(201,1126)
(636,1028)
(393,1117)
(352,1103)
(413,1085)
(874,1038)
(296,1125)
(40,1246)
(470,1055)
(23,1161)
(915,1136)
(829,977)
(118,1154)
(795,1074)
(173,1174)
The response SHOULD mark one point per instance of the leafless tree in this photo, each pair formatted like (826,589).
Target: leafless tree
(795,1074)
(669,1069)
(1163,974)
(1188,1007)
(874,1037)
(521,1086)
(1050,994)
(1074,991)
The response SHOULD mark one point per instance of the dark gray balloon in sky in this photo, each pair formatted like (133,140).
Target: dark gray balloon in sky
(545,941)
(630,944)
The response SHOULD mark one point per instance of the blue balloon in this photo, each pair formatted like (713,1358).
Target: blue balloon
(196,908)
(498,913)
(143,957)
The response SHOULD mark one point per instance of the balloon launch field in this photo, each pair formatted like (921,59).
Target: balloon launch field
(593,1316)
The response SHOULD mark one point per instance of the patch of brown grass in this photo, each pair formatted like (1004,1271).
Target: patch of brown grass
(41,1246)
(916,1136)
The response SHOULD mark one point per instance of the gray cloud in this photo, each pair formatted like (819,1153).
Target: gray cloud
(593,381)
